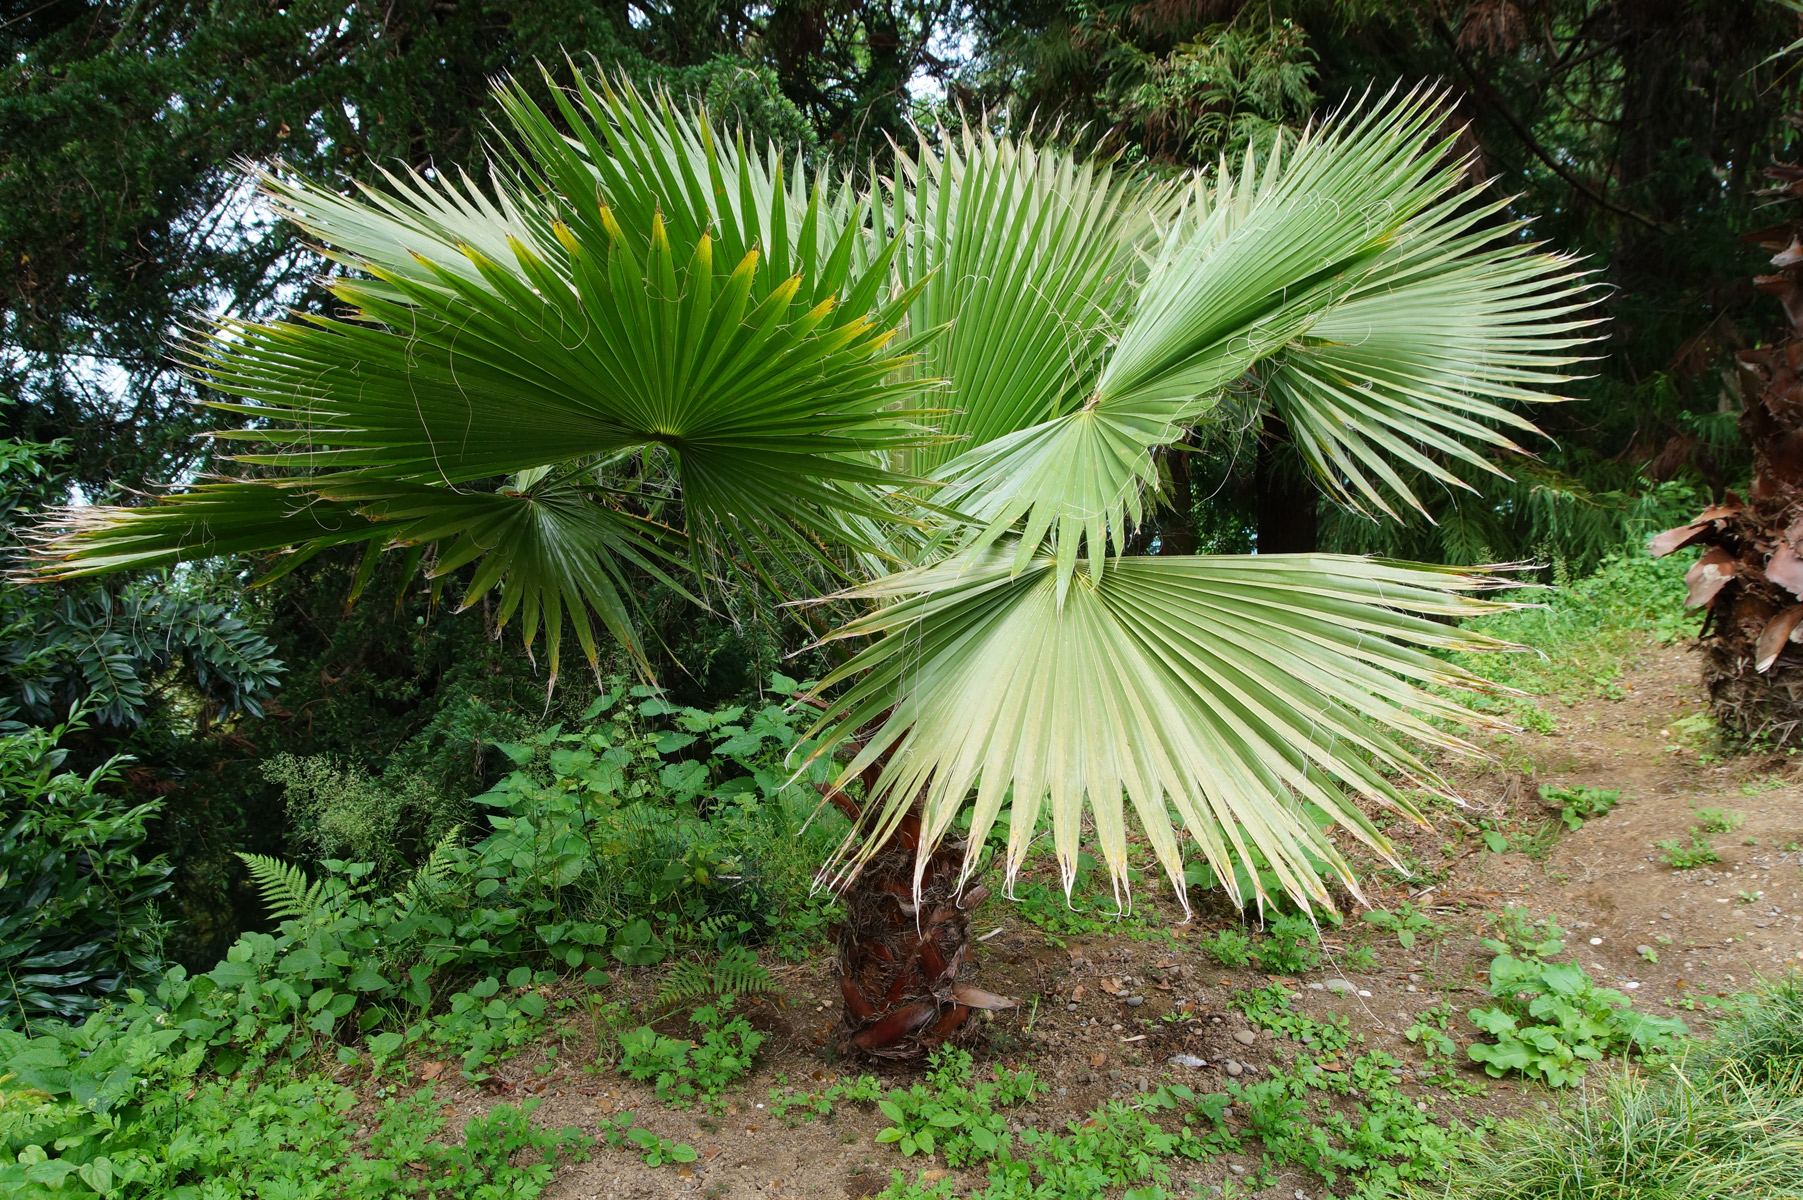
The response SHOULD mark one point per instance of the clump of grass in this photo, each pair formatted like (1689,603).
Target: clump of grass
(1588,632)
(1724,1119)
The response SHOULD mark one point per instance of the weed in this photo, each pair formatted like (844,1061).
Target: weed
(1517,929)
(1231,947)
(1719,1122)
(1407,923)
(684,1072)
(1579,804)
(1269,1008)
(1288,947)
(1719,820)
(621,1134)
(952,1114)
(1432,1031)
(794,1108)
(1687,855)
(1552,1020)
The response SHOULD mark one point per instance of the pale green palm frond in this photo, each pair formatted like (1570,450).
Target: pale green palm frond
(1024,257)
(1254,259)
(1251,698)
(1459,318)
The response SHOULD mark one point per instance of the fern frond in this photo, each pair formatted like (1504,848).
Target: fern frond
(284,887)
(431,873)
(737,970)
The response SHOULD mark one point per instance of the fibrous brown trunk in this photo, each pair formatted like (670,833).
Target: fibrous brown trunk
(904,954)
(1751,577)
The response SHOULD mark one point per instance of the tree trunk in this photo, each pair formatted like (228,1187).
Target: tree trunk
(901,955)
(1286,497)
(1751,578)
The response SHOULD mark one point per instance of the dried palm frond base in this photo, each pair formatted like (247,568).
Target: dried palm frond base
(1767,706)
(900,961)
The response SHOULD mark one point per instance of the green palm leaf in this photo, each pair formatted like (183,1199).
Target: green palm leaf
(1248,697)
(1024,257)
(553,544)
(1250,264)
(500,333)
(1458,318)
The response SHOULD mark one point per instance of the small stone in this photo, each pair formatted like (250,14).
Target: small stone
(1064,1091)
(1364,993)
(1301,1195)
(1237,1169)
(1244,1037)
(1596,941)
(1665,916)
(1315,987)
(1114,1073)
(1234,1068)
(1117,1027)
(1411,988)
(1414,978)
(1643,948)
(1187,1060)
(1070,1008)
(1338,985)
(1135,1001)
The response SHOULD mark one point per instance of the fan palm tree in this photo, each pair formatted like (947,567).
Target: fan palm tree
(644,349)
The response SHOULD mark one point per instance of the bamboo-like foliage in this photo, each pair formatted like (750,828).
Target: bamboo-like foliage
(961,376)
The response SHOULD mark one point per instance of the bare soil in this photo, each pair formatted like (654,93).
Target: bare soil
(1714,931)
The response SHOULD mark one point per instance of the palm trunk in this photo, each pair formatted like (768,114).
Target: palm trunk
(1751,578)
(901,953)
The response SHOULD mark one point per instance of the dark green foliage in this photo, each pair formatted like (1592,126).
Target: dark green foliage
(78,918)
(113,653)
(109,237)
(105,1110)
(128,653)
(594,857)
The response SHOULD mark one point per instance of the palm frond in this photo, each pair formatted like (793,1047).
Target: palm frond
(1456,320)
(1256,697)
(554,546)
(504,329)
(1250,263)
(1024,257)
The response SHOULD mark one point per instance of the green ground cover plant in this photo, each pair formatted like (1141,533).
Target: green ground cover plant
(1344,1118)
(127,1113)
(1582,634)
(78,894)
(1687,854)
(1551,1020)
(1406,923)
(1579,804)
(1721,1118)
(684,1072)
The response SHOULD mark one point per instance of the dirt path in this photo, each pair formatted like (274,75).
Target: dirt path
(1712,930)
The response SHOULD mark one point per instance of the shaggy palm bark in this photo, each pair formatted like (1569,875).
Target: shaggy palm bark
(1751,578)
(902,952)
